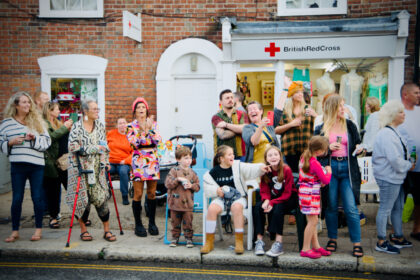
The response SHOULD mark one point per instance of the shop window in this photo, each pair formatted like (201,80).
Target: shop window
(72,78)
(71,8)
(311,7)
(69,92)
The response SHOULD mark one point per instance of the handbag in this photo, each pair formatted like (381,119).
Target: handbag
(63,162)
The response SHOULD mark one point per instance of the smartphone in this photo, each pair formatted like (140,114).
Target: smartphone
(270,116)
(74,117)
(23,135)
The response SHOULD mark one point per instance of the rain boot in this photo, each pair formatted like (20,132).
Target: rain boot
(153,230)
(139,229)
(239,243)
(209,245)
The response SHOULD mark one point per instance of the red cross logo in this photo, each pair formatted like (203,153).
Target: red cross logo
(272,49)
(129,24)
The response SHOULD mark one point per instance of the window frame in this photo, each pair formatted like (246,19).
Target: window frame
(75,66)
(46,12)
(283,11)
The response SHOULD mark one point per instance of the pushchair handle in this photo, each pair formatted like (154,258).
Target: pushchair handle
(189,136)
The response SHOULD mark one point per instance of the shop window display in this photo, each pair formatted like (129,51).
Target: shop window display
(353,79)
(70,92)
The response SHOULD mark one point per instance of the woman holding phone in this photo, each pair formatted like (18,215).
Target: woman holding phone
(259,134)
(296,125)
(345,182)
(52,183)
(24,139)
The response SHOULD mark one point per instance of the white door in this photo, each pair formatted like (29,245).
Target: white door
(195,104)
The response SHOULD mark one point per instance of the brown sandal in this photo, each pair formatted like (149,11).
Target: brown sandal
(11,238)
(85,236)
(36,237)
(109,238)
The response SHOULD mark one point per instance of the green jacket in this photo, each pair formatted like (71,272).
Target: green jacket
(51,154)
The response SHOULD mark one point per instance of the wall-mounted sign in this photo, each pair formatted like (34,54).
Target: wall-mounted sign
(132,26)
(314,48)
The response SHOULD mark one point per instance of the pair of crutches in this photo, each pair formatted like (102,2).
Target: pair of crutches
(79,178)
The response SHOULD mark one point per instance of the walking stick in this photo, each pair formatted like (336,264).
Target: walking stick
(80,171)
(115,202)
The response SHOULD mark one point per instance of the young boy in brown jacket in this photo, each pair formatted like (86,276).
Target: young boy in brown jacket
(181,183)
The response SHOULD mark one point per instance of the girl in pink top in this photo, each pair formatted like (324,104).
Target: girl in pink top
(311,178)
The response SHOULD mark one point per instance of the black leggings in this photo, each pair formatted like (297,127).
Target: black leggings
(52,193)
(275,217)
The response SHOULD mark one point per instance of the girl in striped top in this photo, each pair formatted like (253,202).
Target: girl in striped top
(311,178)
(24,139)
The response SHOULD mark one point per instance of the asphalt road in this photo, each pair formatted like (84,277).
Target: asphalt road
(81,269)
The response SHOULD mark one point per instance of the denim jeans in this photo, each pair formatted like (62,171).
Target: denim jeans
(35,173)
(391,203)
(340,186)
(123,171)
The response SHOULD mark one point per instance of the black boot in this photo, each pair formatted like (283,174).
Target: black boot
(139,230)
(153,230)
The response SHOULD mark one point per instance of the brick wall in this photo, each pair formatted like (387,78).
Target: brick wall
(132,66)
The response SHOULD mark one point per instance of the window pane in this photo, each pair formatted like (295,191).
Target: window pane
(312,4)
(57,5)
(68,92)
(90,5)
(74,5)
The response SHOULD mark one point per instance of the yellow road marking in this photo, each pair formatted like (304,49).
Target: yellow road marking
(72,245)
(172,270)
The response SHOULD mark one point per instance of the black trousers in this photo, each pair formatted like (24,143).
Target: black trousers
(52,193)
(275,217)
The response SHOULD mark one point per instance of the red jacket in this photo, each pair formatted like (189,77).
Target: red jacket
(267,190)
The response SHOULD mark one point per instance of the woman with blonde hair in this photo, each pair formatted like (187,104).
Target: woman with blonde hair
(24,139)
(345,182)
(372,126)
(296,125)
(52,183)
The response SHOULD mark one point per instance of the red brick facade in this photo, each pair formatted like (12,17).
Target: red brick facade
(132,66)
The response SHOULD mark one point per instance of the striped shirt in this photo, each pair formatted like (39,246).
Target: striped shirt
(30,151)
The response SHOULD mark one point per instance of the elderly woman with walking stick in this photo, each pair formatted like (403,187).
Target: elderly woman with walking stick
(87,145)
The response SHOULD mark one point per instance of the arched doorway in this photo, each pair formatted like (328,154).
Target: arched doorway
(188,82)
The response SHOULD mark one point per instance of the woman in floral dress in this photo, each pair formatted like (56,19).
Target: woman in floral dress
(144,137)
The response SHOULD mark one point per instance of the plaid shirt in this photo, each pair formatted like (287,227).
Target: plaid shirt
(295,140)
(236,142)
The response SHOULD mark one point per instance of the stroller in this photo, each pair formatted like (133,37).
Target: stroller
(167,160)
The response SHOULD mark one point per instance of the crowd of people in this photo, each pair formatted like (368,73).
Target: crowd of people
(311,169)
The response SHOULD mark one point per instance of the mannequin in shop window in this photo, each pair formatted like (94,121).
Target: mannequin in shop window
(378,87)
(351,89)
(324,85)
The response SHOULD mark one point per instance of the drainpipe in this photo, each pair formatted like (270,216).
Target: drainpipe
(416,45)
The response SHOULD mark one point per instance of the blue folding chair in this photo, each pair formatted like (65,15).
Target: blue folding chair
(198,207)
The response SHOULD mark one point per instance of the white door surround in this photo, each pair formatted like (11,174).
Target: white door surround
(188,59)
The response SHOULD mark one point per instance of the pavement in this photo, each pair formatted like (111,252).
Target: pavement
(129,247)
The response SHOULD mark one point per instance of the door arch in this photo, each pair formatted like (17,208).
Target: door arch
(188,81)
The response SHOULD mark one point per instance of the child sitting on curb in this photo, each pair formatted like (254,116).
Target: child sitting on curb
(181,183)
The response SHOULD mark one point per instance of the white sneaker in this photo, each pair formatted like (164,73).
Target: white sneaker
(276,249)
(259,247)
